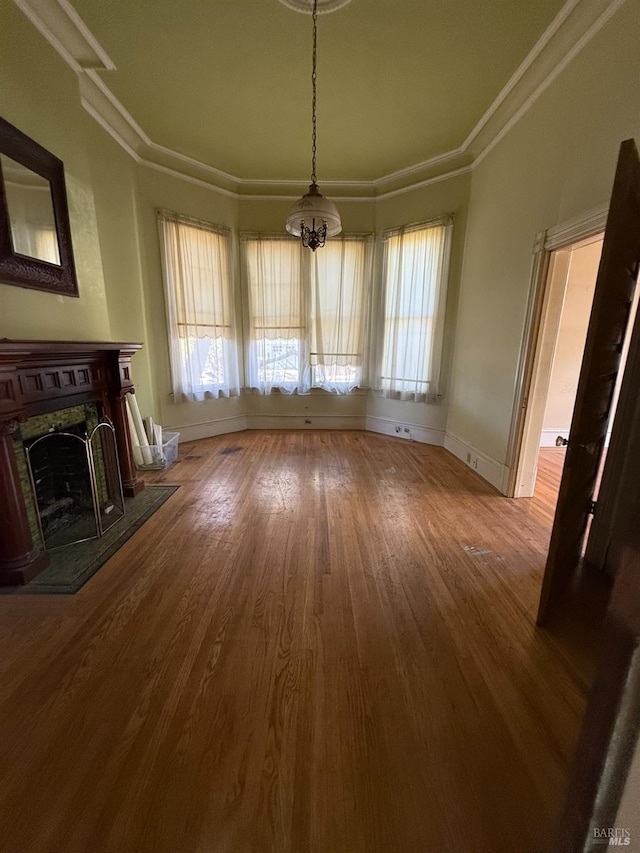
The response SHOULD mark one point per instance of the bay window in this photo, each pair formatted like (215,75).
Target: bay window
(199,296)
(414,277)
(307,313)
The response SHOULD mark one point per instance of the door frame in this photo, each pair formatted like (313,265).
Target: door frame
(534,364)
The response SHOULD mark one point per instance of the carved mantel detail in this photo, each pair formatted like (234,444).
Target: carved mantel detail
(44,376)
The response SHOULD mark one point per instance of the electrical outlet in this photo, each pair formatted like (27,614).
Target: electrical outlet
(307,420)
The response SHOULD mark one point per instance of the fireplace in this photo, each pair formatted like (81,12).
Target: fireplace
(75,482)
(36,379)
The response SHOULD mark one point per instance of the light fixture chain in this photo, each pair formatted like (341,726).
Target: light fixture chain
(314,218)
(314,76)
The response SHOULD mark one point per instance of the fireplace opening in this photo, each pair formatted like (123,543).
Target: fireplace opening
(76,483)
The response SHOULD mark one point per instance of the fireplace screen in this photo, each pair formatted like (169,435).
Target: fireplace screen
(76,482)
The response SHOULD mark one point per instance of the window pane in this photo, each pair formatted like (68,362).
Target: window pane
(414,271)
(308,313)
(199,290)
(339,313)
(278,361)
(274,269)
(204,360)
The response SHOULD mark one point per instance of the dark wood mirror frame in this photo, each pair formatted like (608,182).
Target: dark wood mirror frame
(20,269)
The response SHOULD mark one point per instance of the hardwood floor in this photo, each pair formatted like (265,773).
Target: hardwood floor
(550,465)
(324,642)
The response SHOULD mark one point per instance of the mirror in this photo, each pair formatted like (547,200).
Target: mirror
(35,236)
(30,208)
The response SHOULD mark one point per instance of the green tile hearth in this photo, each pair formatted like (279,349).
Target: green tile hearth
(72,566)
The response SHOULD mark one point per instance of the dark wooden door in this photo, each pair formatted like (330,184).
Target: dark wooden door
(619,492)
(610,727)
(607,327)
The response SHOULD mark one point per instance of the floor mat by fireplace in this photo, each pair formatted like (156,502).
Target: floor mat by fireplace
(72,566)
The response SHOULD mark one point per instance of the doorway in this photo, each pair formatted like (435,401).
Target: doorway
(563,288)
(578,284)
(566,287)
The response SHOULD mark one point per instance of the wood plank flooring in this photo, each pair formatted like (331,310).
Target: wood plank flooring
(324,642)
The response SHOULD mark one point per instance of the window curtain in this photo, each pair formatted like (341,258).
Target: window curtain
(415,270)
(31,214)
(196,259)
(340,288)
(46,241)
(307,313)
(275,273)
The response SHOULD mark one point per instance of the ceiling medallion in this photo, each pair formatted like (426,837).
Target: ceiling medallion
(306,6)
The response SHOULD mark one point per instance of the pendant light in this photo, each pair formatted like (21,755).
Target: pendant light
(313,218)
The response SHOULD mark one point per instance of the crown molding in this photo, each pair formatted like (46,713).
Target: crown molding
(435,179)
(553,54)
(526,66)
(67,33)
(421,174)
(191,179)
(248,190)
(573,27)
(101,103)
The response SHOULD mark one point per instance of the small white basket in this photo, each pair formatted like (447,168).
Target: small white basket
(161,457)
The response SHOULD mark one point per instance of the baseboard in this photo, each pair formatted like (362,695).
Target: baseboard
(548,436)
(384,426)
(406,430)
(310,421)
(491,470)
(206,429)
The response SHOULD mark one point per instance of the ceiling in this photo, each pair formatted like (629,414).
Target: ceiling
(228,82)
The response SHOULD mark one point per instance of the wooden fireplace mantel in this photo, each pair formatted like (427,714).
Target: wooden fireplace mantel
(44,376)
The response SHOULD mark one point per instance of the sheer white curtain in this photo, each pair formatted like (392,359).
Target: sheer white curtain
(276,275)
(415,270)
(46,240)
(307,313)
(340,288)
(196,260)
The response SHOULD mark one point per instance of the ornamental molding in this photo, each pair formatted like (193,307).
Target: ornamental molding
(306,6)
(575,25)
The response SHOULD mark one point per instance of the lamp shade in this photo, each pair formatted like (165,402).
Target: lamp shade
(314,206)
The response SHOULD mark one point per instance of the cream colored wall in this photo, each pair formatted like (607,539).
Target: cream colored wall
(572,334)
(39,95)
(114,178)
(557,162)
(318,408)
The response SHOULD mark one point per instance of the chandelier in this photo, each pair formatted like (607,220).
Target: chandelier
(313,217)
